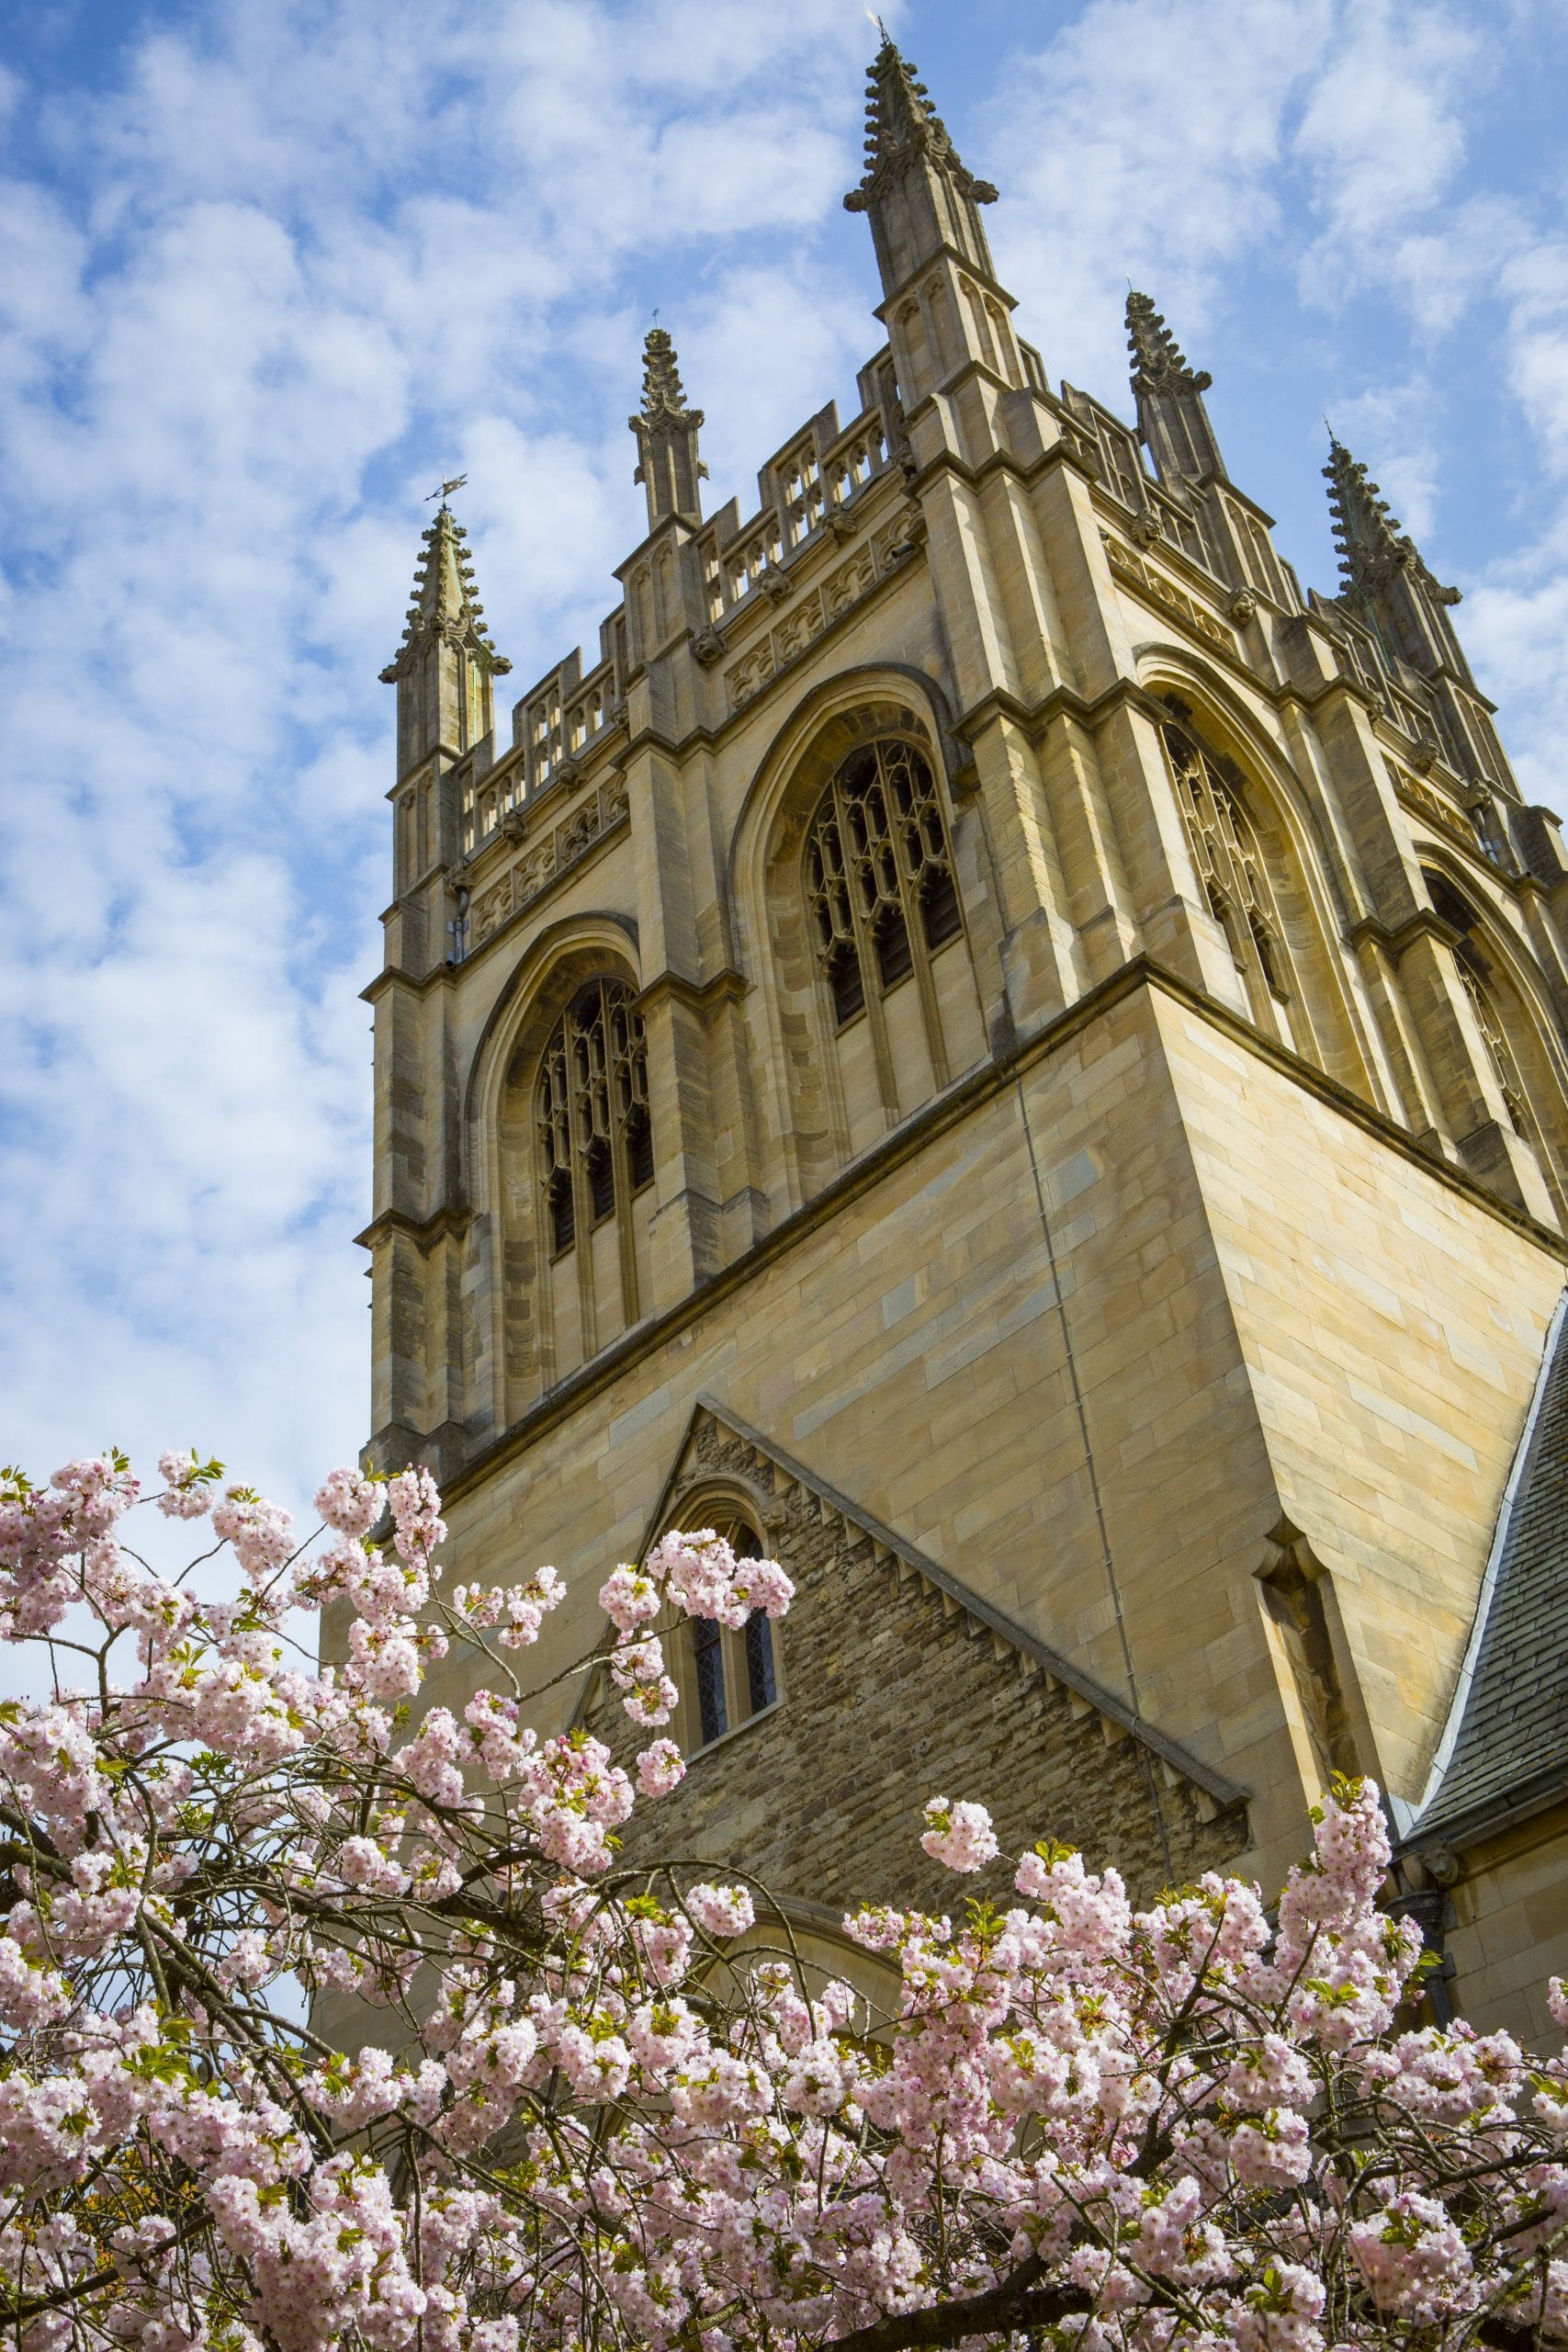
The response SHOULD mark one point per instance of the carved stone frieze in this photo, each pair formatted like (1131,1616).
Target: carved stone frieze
(551,855)
(1156,588)
(1427,801)
(815,610)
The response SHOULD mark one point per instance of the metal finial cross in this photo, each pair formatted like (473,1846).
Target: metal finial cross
(446,488)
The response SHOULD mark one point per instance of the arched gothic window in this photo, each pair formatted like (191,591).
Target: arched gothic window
(1456,912)
(595,1168)
(726,1677)
(887,929)
(1234,879)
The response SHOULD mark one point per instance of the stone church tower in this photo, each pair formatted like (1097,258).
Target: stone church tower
(994,1046)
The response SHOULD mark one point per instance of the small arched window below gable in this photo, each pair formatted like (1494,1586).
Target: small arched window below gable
(1234,875)
(595,1167)
(887,929)
(726,1676)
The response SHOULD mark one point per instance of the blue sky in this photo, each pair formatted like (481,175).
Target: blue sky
(267,270)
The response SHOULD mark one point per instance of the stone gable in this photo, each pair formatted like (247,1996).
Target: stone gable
(894,1689)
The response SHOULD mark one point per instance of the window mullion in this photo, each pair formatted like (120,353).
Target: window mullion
(621,1177)
(924,980)
(871,976)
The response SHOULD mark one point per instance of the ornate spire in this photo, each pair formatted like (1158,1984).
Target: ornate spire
(1383,578)
(901,122)
(1372,548)
(444,608)
(1157,363)
(668,465)
(1173,424)
(663,395)
(921,199)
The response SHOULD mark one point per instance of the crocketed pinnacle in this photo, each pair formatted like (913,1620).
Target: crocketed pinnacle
(662,392)
(668,465)
(1371,544)
(901,121)
(443,605)
(1158,362)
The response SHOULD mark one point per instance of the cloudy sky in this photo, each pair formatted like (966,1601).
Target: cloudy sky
(267,267)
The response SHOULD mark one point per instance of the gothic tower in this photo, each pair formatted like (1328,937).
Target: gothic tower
(992,1045)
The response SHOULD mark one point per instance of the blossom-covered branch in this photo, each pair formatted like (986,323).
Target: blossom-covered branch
(582,2106)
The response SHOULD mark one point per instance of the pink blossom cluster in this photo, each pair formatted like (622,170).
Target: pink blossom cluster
(582,2104)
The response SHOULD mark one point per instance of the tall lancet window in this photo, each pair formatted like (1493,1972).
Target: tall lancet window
(888,927)
(595,1167)
(1234,878)
(1456,910)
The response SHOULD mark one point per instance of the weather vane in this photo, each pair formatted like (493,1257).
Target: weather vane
(446,489)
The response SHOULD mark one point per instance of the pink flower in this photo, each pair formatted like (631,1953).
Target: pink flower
(350,1502)
(721,1910)
(630,1599)
(959,1835)
(660,1769)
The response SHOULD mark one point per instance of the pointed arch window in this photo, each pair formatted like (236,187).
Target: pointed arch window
(888,935)
(1456,912)
(1234,876)
(594,1145)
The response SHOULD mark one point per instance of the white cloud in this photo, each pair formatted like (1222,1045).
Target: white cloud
(257,292)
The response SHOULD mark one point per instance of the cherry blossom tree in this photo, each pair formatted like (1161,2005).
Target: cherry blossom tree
(589,2107)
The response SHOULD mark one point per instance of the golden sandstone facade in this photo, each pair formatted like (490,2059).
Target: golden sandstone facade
(993,1045)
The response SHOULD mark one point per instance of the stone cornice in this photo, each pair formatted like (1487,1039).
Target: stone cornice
(1396,937)
(948,1111)
(669,986)
(447,1224)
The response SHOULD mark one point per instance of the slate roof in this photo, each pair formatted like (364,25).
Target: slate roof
(1505,1745)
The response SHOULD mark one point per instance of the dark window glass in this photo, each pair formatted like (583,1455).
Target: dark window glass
(848,986)
(1447,901)
(592,1087)
(563,1213)
(639,1149)
(600,1181)
(760,1683)
(877,860)
(709,1660)
(894,960)
(938,909)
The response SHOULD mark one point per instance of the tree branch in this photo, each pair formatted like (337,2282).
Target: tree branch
(1018,2302)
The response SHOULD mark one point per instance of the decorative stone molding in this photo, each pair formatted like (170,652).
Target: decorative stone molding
(707,646)
(816,610)
(1242,606)
(552,854)
(1425,800)
(1129,566)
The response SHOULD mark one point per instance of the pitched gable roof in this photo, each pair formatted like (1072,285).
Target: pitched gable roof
(1505,1747)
